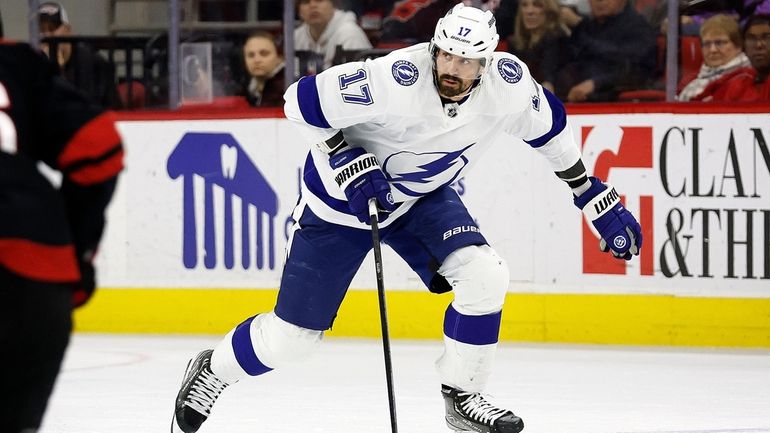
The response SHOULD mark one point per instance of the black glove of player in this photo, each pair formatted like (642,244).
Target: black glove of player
(85,288)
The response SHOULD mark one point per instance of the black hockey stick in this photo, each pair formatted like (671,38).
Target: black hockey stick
(383,312)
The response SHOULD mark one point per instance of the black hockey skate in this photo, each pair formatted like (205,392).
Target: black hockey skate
(200,389)
(470,412)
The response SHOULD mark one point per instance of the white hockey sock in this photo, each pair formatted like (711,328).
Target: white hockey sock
(470,344)
(223,362)
(261,344)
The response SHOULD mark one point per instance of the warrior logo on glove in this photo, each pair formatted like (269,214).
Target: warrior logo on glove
(601,205)
(359,175)
(359,165)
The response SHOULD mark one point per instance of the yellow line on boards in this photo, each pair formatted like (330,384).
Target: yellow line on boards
(556,318)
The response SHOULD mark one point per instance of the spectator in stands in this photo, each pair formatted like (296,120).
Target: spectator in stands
(755,85)
(413,21)
(264,64)
(324,28)
(79,64)
(539,39)
(696,12)
(504,10)
(506,15)
(370,14)
(611,51)
(573,11)
(752,83)
(722,53)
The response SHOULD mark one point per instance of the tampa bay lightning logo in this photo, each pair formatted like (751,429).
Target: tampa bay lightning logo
(509,70)
(416,174)
(405,72)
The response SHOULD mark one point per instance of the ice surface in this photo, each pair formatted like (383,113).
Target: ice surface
(127,384)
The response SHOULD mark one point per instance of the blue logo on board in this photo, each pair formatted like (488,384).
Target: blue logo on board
(218,162)
(509,70)
(405,72)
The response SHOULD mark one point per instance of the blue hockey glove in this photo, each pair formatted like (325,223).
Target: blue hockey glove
(358,174)
(619,231)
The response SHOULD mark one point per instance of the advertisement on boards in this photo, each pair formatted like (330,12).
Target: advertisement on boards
(700,186)
(208,203)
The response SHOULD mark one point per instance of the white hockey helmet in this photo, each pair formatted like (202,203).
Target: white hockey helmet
(467,32)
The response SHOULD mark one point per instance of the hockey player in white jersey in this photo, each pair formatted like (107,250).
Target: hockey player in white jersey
(400,129)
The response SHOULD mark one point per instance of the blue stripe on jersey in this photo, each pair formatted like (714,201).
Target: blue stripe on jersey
(558,120)
(476,330)
(309,104)
(244,350)
(316,187)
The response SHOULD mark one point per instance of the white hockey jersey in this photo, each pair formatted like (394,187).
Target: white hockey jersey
(390,106)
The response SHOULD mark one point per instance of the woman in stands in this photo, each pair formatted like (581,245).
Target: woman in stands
(722,47)
(752,83)
(539,39)
(264,64)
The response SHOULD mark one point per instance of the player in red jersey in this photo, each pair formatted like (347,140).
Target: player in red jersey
(49,233)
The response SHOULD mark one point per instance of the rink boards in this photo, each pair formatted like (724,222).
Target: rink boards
(197,231)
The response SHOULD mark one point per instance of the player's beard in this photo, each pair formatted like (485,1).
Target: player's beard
(452,91)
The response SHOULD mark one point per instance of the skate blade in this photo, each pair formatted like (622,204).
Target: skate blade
(174,426)
(451,423)
(186,370)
